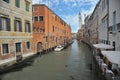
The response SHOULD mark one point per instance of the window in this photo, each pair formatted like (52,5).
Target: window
(40,18)
(5,24)
(28,45)
(106,41)
(17,3)
(35,18)
(18,47)
(5,48)
(53,28)
(6,1)
(27,5)
(27,27)
(114,20)
(114,44)
(118,26)
(46,38)
(17,26)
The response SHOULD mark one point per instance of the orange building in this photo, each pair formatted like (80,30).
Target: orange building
(49,30)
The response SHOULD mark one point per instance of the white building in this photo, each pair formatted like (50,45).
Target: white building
(103,21)
(114,23)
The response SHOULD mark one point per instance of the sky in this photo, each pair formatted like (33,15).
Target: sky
(68,10)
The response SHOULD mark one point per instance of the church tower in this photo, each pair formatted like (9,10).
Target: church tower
(80,20)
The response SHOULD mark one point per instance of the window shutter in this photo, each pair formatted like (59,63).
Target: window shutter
(29,28)
(7,1)
(20,26)
(0,23)
(25,27)
(8,25)
(15,25)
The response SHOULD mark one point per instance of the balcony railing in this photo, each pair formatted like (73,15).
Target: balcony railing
(112,29)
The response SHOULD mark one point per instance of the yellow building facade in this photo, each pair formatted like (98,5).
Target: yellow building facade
(15,30)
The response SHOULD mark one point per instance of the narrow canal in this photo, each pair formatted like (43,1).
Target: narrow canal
(70,64)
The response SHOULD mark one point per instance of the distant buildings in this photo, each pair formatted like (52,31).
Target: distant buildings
(49,30)
(102,31)
(81,33)
(103,25)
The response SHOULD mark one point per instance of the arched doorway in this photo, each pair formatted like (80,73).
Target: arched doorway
(39,47)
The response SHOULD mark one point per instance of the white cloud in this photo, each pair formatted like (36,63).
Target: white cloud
(72,20)
(87,12)
(80,2)
(74,5)
(60,10)
(46,2)
(35,1)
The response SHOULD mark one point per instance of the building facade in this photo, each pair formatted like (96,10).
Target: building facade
(81,33)
(15,30)
(55,31)
(94,25)
(103,21)
(114,24)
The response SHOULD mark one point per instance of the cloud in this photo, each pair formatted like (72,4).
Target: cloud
(72,20)
(35,1)
(50,3)
(60,10)
(85,12)
(69,9)
(80,2)
(74,5)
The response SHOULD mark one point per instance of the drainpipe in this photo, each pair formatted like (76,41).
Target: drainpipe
(108,22)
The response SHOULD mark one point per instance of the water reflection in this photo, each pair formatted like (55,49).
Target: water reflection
(70,64)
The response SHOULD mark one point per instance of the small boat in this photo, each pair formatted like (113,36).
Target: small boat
(58,48)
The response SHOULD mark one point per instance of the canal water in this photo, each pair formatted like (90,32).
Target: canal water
(72,63)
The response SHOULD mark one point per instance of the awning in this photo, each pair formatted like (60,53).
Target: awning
(112,56)
(103,46)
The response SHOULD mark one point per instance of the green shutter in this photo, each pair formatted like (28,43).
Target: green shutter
(0,23)
(20,26)
(15,25)
(8,25)
(7,1)
(17,3)
(25,27)
(29,28)
(27,6)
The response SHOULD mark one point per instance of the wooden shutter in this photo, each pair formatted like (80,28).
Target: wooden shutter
(20,26)
(8,24)
(25,27)
(29,27)
(15,25)
(0,23)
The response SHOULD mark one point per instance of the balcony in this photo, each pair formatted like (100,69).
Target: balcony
(112,29)
(118,27)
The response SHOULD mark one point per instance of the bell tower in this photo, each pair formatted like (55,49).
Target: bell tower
(80,20)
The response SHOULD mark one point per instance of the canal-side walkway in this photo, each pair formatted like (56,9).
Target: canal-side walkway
(72,63)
